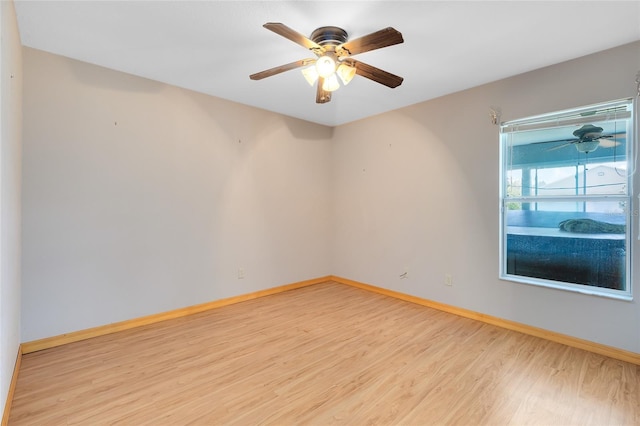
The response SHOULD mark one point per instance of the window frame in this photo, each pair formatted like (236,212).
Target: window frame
(558,119)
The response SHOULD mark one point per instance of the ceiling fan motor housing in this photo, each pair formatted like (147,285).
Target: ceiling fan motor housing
(329,36)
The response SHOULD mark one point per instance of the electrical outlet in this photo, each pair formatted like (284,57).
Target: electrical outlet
(240,273)
(448,279)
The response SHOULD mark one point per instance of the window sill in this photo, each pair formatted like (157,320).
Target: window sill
(595,291)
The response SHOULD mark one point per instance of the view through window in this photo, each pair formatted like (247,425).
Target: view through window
(566,198)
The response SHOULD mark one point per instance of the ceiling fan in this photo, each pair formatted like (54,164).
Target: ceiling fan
(587,139)
(333,59)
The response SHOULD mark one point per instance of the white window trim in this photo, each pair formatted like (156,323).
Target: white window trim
(547,121)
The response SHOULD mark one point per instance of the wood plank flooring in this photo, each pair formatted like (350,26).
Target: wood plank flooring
(321,355)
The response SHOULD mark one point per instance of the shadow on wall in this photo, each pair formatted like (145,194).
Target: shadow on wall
(243,123)
(105,78)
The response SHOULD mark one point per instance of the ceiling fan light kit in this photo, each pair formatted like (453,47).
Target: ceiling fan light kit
(346,73)
(586,147)
(311,74)
(331,83)
(333,52)
(325,65)
(328,70)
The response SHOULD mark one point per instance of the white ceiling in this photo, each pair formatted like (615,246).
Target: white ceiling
(213,46)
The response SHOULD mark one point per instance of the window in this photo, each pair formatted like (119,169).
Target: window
(566,198)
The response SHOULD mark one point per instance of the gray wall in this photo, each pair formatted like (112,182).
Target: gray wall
(10,151)
(417,188)
(141,197)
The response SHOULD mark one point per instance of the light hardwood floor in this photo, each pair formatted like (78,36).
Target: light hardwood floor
(324,354)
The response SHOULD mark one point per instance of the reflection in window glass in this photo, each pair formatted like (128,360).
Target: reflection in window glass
(566,199)
(571,243)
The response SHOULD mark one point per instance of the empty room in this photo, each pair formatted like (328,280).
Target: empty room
(317,212)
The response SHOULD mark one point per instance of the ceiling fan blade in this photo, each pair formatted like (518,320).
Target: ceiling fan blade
(561,146)
(609,143)
(382,38)
(282,68)
(567,142)
(612,139)
(322,96)
(376,74)
(293,35)
(601,138)
(603,143)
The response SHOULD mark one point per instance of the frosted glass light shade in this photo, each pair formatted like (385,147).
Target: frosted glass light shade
(310,74)
(587,146)
(325,65)
(346,73)
(331,83)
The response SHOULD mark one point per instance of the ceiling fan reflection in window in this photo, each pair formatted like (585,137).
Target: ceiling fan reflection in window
(333,60)
(587,139)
